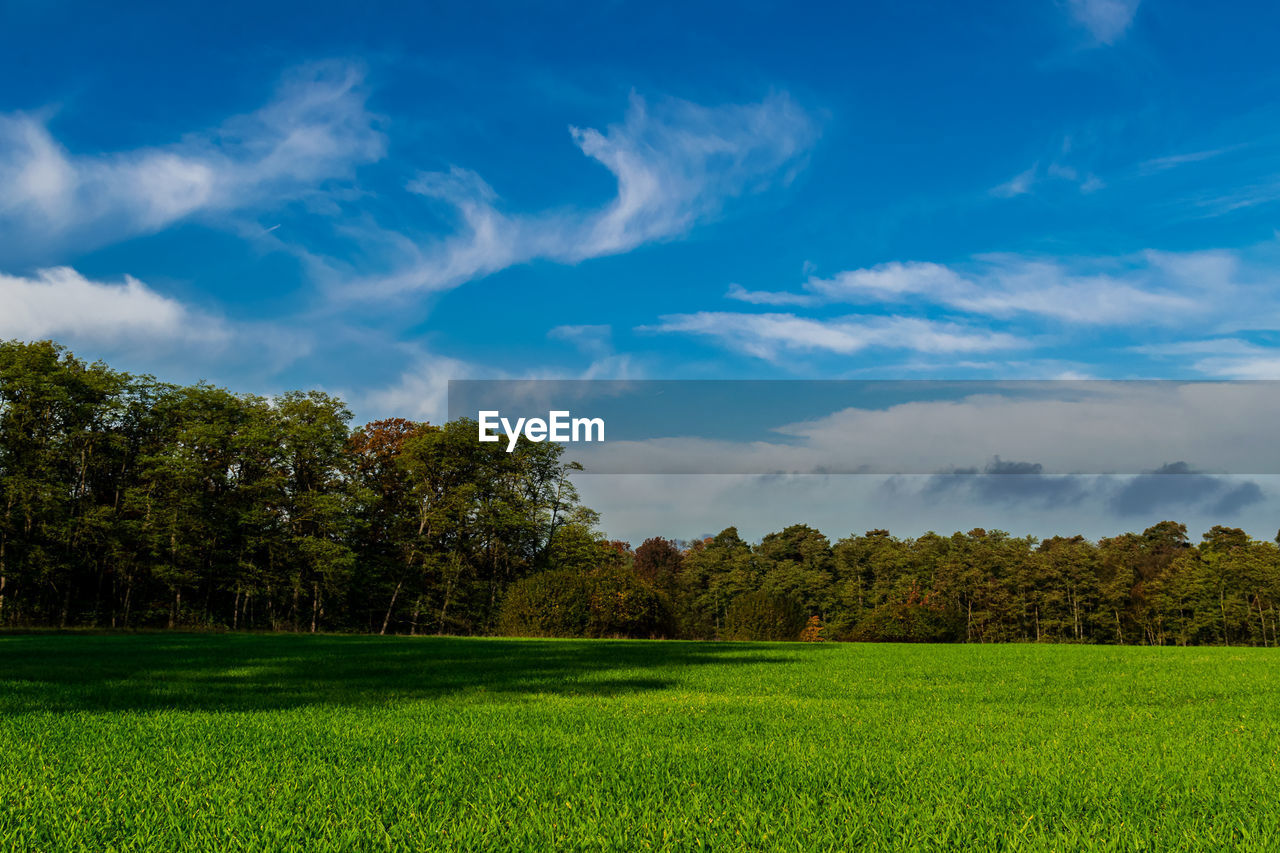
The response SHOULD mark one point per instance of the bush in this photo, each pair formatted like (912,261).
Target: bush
(762,615)
(814,632)
(605,603)
(916,620)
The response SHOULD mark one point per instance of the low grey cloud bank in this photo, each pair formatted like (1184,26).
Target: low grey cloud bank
(1175,488)
(1002,482)
(1179,487)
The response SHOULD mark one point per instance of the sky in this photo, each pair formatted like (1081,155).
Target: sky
(275,196)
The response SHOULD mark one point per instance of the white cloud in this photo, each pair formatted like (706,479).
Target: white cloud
(61,303)
(1106,20)
(769,297)
(1213,346)
(1156,288)
(591,339)
(679,162)
(422,392)
(1065,426)
(1227,358)
(1264,364)
(135,327)
(1056,172)
(675,164)
(1091,184)
(766,336)
(1019,184)
(1207,293)
(1173,161)
(316,128)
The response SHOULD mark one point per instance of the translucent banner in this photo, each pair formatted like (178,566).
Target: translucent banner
(885,427)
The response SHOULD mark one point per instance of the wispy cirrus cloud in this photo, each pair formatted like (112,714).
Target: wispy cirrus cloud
(770,297)
(1205,312)
(1226,358)
(675,164)
(1064,167)
(1019,184)
(1173,161)
(316,128)
(768,336)
(1160,288)
(594,340)
(1106,20)
(422,391)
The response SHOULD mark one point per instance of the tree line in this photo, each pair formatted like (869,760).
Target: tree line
(128,502)
(1153,587)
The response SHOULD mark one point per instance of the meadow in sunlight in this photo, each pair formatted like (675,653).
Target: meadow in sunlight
(253,742)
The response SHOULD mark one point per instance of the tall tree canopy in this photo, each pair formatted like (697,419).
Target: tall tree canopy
(128,502)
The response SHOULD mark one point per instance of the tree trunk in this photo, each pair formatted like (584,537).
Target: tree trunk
(315,604)
(493,601)
(1222,606)
(448,590)
(1261,619)
(386,620)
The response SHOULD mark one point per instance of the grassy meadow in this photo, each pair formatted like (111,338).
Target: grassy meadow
(252,742)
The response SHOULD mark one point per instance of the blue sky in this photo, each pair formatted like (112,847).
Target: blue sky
(373,202)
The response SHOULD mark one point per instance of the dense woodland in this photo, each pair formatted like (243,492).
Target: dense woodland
(126,502)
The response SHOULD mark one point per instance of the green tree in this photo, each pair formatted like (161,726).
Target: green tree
(763,615)
(797,564)
(715,572)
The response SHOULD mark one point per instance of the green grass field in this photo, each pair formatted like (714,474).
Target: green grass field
(263,743)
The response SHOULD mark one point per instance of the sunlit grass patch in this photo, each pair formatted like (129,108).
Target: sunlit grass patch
(240,742)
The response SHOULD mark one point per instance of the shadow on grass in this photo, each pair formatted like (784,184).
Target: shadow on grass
(244,672)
